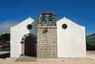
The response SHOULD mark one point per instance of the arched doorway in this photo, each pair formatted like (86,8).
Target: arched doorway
(30,47)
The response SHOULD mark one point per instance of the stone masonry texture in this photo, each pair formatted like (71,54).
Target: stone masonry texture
(46,42)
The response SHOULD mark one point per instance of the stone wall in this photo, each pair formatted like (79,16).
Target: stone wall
(46,42)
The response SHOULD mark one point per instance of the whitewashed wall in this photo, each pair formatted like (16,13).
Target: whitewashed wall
(71,41)
(17,32)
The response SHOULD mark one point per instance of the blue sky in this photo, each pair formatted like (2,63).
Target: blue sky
(79,11)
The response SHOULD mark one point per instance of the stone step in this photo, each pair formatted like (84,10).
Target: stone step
(26,58)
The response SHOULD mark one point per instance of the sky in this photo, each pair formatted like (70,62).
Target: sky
(80,11)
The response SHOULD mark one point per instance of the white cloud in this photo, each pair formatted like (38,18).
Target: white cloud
(5,26)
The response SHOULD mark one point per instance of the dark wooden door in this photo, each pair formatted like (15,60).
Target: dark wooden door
(30,46)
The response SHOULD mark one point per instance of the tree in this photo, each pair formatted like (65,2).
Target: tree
(5,37)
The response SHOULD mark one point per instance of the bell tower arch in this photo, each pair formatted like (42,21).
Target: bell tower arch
(47,18)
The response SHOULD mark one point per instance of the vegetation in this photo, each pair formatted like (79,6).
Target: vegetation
(5,38)
(90,42)
(90,46)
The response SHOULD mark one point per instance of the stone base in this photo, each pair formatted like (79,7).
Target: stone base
(34,59)
(26,58)
(11,59)
(76,58)
(51,59)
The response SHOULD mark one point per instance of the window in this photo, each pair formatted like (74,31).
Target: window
(29,26)
(64,26)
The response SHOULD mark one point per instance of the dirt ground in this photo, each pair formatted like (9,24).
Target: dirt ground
(90,54)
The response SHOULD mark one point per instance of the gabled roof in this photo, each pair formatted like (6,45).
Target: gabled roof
(28,20)
(68,20)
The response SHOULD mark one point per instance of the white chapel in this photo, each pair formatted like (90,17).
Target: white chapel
(48,38)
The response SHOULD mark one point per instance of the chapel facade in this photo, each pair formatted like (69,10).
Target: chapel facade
(47,38)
